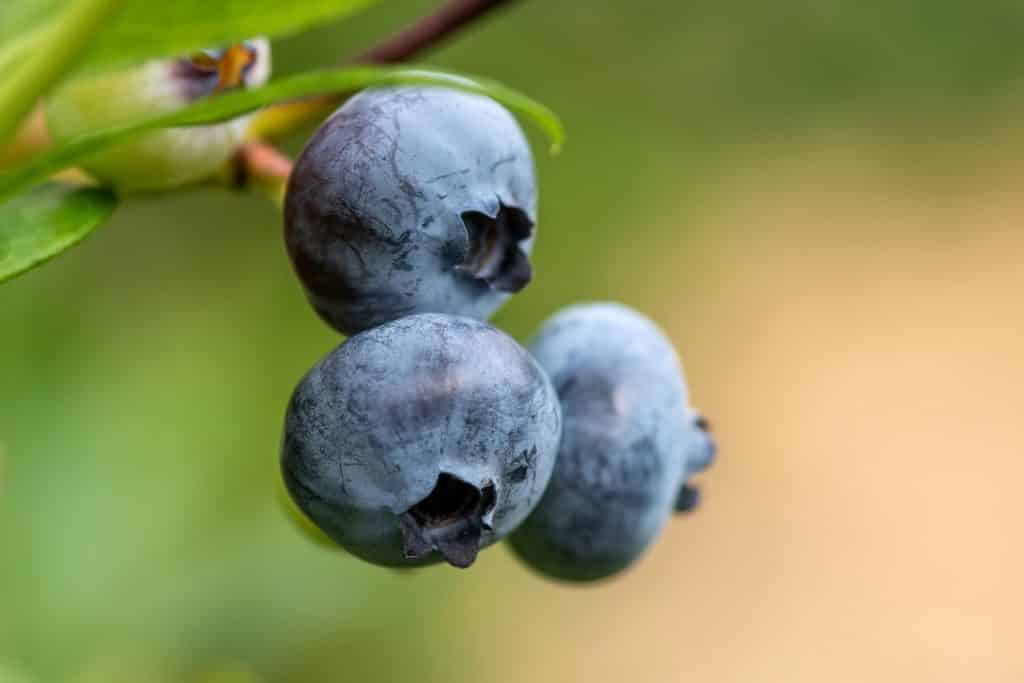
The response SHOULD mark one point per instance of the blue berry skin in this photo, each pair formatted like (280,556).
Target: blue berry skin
(422,439)
(412,200)
(630,440)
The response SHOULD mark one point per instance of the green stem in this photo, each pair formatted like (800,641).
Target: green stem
(47,58)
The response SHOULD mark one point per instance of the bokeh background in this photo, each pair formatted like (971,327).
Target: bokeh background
(820,202)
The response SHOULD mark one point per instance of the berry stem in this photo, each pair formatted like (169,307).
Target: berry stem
(263,166)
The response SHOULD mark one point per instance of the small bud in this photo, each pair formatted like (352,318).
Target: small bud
(165,159)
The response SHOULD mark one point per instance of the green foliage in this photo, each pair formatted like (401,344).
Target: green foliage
(19,16)
(42,223)
(41,41)
(35,63)
(144,29)
(152,29)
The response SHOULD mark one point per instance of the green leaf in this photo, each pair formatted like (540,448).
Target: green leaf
(17,16)
(161,28)
(40,224)
(146,28)
(235,103)
(34,62)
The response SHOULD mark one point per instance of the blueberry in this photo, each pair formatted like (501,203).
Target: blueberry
(630,440)
(426,438)
(412,200)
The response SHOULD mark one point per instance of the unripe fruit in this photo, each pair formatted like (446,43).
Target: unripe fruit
(426,438)
(412,200)
(630,440)
(163,159)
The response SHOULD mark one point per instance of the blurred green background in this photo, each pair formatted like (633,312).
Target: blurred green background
(818,200)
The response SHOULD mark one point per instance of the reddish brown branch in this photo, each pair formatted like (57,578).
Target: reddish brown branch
(428,31)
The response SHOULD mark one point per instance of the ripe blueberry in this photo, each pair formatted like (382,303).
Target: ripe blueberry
(630,440)
(429,433)
(412,200)
(164,159)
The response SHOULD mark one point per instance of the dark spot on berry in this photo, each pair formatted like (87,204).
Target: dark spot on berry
(449,520)
(495,254)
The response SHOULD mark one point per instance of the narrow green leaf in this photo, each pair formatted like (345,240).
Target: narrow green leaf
(163,28)
(36,66)
(236,103)
(18,16)
(17,49)
(38,225)
(153,29)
